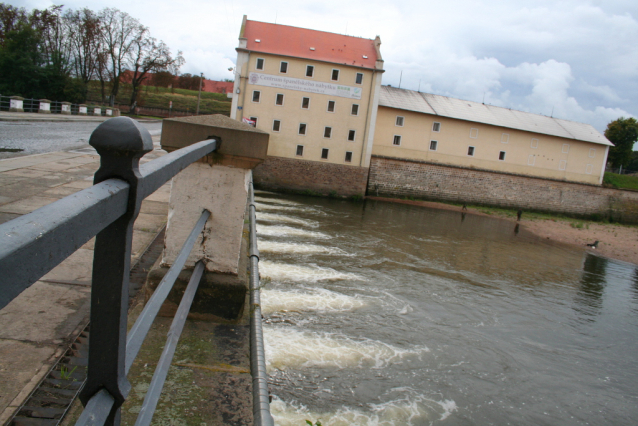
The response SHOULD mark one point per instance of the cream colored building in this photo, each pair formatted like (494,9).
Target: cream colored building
(320,97)
(316,93)
(431,128)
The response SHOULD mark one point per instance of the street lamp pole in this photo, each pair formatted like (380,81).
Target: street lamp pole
(199,94)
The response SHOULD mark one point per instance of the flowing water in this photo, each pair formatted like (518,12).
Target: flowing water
(388,314)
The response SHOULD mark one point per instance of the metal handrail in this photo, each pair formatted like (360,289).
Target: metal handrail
(261,398)
(33,106)
(33,244)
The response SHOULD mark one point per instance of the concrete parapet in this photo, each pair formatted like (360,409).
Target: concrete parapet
(82,109)
(65,108)
(218,183)
(96,110)
(45,106)
(16,104)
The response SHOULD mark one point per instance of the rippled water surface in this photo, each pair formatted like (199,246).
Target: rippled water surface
(390,314)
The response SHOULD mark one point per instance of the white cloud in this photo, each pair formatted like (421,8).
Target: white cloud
(577,57)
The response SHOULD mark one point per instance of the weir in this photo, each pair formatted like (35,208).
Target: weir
(207,209)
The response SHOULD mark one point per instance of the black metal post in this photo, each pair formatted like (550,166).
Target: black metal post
(121,142)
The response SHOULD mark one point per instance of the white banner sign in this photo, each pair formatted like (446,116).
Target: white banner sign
(304,85)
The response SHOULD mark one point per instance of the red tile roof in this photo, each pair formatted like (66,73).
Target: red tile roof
(298,42)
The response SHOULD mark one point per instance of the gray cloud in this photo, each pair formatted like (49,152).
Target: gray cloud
(576,58)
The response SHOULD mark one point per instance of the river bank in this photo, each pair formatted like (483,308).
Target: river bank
(615,241)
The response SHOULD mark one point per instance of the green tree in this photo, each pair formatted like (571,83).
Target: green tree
(623,133)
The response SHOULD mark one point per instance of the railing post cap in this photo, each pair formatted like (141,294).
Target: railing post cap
(121,135)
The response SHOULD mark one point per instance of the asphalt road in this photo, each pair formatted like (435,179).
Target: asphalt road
(18,138)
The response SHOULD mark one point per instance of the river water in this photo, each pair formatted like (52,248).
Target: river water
(389,314)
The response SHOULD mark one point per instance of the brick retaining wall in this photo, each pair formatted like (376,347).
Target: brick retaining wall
(392,177)
(280,173)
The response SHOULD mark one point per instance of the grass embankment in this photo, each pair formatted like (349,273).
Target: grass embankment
(159,97)
(615,180)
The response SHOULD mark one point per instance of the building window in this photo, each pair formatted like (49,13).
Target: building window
(351,135)
(348,157)
(327,132)
(355,109)
(256,95)
(299,150)
(505,138)
(562,165)
(331,106)
(254,120)
(436,127)
(565,148)
(280,99)
(433,145)
(305,103)
(589,169)
(473,133)
(592,152)
(399,121)
(335,75)
(359,78)
(531,160)
(470,151)
(276,125)
(324,153)
(501,156)
(397,140)
(310,70)
(534,143)
(283,67)
(259,65)
(302,128)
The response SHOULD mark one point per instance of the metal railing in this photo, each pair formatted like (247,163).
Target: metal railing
(261,399)
(33,244)
(33,106)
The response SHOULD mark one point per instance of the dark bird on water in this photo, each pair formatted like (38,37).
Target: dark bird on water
(464,207)
(518,215)
(595,245)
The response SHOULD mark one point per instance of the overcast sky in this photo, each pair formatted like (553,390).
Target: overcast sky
(575,59)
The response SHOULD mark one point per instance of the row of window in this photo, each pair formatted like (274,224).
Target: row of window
(400,120)
(305,102)
(505,137)
(303,128)
(564,149)
(501,155)
(324,153)
(310,70)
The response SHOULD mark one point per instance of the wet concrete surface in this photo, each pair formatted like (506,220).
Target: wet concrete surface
(19,138)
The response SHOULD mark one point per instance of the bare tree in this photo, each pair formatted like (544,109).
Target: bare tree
(121,31)
(10,18)
(56,40)
(150,55)
(86,42)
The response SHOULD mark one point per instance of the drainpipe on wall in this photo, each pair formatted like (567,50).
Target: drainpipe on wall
(243,91)
(366,129)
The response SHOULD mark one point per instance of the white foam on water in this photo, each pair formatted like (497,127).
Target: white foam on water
(288,231)
(279,247)
(273,217)
(297,273)
(320,300)
(290,348)
(278,201)
(277,207)
(411,409)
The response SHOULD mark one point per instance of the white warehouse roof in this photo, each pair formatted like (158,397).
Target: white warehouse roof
(488,114)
